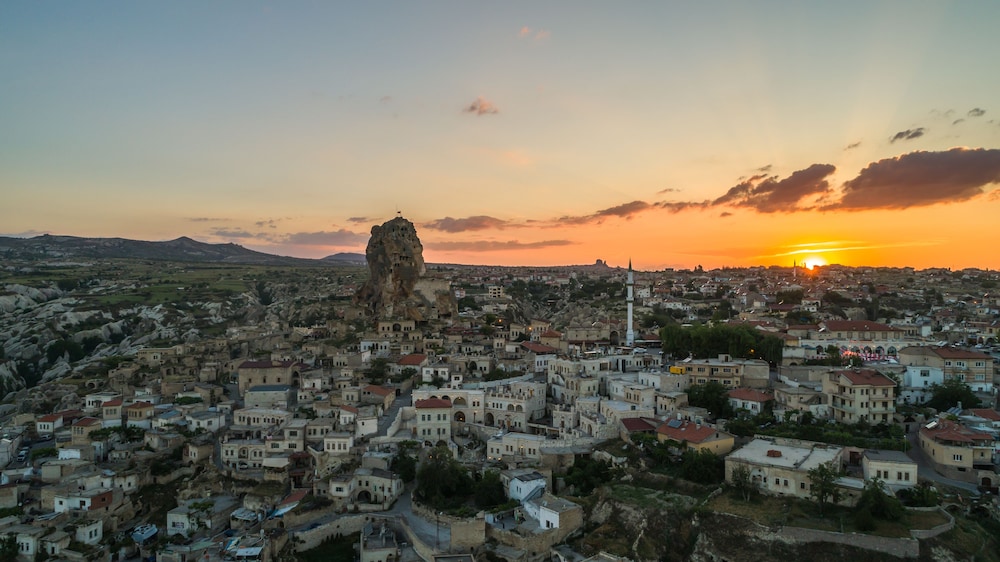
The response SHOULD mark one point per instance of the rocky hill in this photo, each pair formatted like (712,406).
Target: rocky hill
(183,249)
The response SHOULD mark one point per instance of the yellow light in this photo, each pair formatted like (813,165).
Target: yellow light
(813,261)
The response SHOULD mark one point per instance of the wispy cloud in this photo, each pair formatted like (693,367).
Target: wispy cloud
(625,210)
(495,246)
(853,145)
(361,220)
(976,112)
(908,134)
(480,222)
(536,34)
(207,219)
(234,233)
(342,237)
(481,106)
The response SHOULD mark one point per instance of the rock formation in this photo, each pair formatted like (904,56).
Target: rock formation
(397,286)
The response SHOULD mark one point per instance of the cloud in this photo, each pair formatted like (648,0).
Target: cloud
(479,222)
(764,169)
(481,106)
(725,214)
(853,145)
(908,134)
(770,195)
(625,210)
(494,245)
(976,112)
(667,190)
(207,219)
(342,237)
(957,121)
(536,34)
(360,220)
(921,178)
(233,233)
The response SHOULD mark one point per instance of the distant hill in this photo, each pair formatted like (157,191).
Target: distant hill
(183,249)
(346,258)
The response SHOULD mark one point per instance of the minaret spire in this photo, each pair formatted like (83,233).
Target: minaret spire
(630,283)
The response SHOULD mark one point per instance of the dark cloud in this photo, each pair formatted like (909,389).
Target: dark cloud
(270,223)
(770,195)
(625,210)
(921,178)
(206,219)
(976,112)
(340,237)
(360,220)
(764,169)
(725,214)
(494,245)
(481,106)
(908,134)
(853,145)
(480,222)
(667,190)
(957,121)
(233,233)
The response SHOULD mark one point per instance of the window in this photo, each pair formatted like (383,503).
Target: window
(956,457)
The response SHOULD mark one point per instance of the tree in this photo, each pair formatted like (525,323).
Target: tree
(823,484)
(489,490)
(742,482)
(702,466)
(882,505)
(8,548)
(712,396)
(442,482)
(951,393)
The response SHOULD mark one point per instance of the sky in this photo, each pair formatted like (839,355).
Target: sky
(672,134)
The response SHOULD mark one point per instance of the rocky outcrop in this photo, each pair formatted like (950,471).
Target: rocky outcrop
(397,285)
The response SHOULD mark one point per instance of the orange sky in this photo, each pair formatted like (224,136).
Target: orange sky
(672,134)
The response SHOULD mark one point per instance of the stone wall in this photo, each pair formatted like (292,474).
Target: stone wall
(905,548)
(929,533)
(467,534)
(346,525)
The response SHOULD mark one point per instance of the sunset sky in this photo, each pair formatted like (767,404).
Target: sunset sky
(515,133)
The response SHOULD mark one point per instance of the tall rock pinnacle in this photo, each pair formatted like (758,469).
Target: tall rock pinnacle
(396,286)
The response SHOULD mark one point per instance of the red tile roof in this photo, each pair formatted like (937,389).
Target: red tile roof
(412,359)
(956,353)
(139,406)
(953,432)
(750,395)
(538,348)
(857,326)
(550,334)
(432,403)
(49,418)
(350,409)
(866,377)
(687,431)
(85,422)
(986,413)
(380,390)
(112,403)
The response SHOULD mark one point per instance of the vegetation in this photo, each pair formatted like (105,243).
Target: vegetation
(706,342)
(822,485)
(951,393)
(712,396)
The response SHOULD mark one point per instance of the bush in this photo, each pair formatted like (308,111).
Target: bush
(864,520)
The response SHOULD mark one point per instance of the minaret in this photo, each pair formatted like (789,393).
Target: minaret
(629,333)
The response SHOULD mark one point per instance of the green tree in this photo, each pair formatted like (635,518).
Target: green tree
(702,466)
(823,484)
(876,500)
(712,396)
(442,482)
(743,483)
(950,393)
(8,548)
(489,490)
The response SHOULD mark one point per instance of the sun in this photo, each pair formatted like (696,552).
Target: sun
(813,261)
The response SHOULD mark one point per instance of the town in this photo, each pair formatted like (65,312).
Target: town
(407,411)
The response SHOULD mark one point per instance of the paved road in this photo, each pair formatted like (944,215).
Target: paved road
(927,469)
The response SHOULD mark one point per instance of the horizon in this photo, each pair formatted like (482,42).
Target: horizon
(517,135)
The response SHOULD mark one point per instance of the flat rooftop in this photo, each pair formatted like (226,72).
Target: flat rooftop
(803,457)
